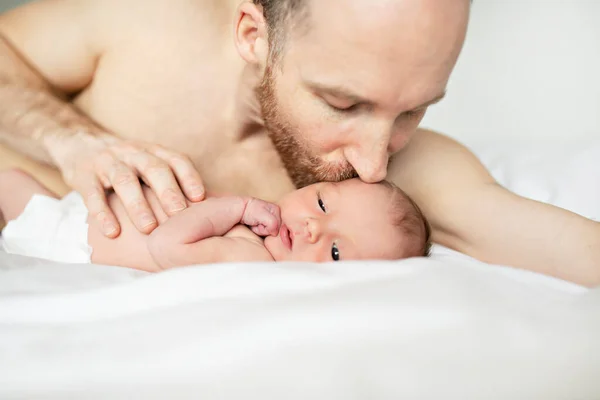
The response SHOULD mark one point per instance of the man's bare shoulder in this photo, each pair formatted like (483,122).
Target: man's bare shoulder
(168,15)
(101,21)
(435,159)
(424,143)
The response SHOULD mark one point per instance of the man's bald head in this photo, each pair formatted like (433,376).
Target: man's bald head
(353,79)
(283,16)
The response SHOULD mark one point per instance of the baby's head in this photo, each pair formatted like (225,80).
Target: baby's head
(349,220)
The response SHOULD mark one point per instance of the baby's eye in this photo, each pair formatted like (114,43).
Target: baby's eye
(322,205)
(335,253)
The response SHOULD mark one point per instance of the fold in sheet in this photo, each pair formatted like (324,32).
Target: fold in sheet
(418,328)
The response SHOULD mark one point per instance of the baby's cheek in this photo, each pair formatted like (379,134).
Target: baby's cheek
(310,253)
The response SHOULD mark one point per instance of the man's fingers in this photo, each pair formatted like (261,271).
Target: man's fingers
(158,175)
(127,186)
(188,177)
(95,201)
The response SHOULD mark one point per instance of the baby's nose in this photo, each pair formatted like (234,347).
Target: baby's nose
(313,230)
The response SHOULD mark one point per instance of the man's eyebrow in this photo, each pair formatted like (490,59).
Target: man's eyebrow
(436,99)
(340,91)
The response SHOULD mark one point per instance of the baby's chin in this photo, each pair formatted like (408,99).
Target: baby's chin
(272,247)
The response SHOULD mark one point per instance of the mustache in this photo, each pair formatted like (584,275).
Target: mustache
(334,172)
(313,170)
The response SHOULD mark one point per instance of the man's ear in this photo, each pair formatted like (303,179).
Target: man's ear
(251,34)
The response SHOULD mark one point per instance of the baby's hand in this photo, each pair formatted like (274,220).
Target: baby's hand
(262,217)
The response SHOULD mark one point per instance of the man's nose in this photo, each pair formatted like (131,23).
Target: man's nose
(313,230)
(370,161)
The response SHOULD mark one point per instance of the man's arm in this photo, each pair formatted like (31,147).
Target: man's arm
(194,235)
(49,52)
(471,213)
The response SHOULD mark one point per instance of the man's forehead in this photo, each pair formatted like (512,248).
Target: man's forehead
(370,20)
(369,10)
(379,55)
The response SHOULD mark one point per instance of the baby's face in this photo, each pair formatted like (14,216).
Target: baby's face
(349,220)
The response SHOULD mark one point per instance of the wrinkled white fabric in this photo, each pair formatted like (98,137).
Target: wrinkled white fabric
(54,229)
(440,328)
(448,327)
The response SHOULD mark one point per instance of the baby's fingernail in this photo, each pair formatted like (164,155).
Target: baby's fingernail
(147,220)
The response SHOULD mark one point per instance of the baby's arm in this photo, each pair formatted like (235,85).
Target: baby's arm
(193,236)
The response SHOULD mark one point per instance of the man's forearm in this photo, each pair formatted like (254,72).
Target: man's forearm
(34,119)
(507,229)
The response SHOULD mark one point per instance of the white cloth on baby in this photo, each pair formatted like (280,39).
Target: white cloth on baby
(50,228)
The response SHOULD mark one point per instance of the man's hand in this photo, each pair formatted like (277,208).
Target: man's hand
(92,165)
(37,119)
(262,217)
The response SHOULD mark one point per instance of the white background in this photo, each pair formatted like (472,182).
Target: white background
(529,69)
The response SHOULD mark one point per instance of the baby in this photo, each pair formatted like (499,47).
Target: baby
(349,220)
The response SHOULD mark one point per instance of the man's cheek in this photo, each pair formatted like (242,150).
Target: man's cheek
(332,137)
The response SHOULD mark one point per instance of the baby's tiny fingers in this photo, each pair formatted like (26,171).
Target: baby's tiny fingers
(276,212)
(272,226)
(260,230)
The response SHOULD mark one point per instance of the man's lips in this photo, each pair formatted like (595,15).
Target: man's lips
(286,236)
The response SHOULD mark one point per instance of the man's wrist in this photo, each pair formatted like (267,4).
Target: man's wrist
(61,144)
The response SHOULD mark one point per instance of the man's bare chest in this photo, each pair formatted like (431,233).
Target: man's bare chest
(193,108)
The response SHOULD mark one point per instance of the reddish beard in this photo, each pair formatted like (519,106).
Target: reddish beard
(303,167)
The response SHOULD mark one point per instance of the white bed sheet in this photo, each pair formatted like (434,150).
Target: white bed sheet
(448,327)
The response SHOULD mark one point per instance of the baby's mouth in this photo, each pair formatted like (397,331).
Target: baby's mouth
(287,237)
